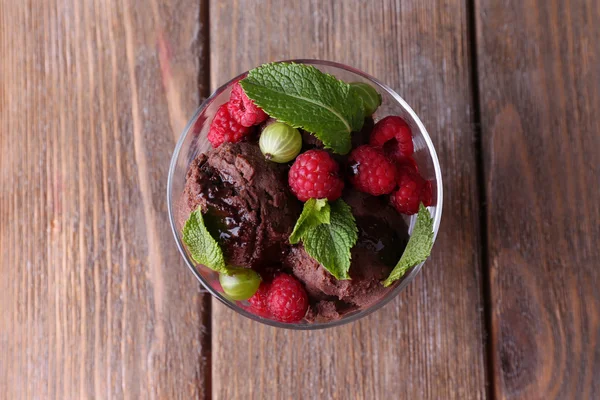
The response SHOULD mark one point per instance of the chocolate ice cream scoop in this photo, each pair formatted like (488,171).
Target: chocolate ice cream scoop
(382,237)
(245,201)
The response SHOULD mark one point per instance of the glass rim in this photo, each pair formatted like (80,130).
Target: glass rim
(406,280)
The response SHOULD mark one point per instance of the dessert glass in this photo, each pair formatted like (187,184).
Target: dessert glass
(193,141)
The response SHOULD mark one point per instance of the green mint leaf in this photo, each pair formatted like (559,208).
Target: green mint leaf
(203,248)
(315,212)
(418,247)
(304,97)
(370,97)
(330,244)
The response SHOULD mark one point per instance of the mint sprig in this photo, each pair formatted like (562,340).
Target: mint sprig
(315,212)
(304,97)
(329,243)
(418,247)
(203,248)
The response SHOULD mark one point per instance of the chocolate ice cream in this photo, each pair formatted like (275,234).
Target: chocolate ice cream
(248,208)
(246,203)
(382,237)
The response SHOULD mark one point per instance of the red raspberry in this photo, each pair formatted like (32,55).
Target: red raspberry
(242,109)
(373,172)
(427,194)
(394,136)
(315,175)
(225,129)
(287,299)
(402,162)
(258,302)
(413,190)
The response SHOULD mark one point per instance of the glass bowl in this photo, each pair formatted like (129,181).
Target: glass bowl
(193,141)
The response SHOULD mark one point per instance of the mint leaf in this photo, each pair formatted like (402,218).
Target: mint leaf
(304,97)
(315,212)
(418,247)
(330,244)
(203,248)
(370,97)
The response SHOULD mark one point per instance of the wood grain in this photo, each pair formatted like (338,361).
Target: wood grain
(427,344)
(540,96)
(95,301)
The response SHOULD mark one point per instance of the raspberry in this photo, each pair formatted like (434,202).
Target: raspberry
(287,300)
(373,172)
(413,190)
(427,194)
(405,162)
(408,171)
(393,135)
(315,175)
(258,302)
(225,129)
(242,109)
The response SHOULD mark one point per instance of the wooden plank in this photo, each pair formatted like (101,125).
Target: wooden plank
(95,300)
(540,95)
(427,344)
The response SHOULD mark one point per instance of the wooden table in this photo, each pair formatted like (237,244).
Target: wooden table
(95,301)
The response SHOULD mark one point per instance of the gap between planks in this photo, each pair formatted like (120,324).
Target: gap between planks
(483,229)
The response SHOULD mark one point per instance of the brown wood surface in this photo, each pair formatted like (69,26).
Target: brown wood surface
(94,299)
(428,343)
(539,77)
